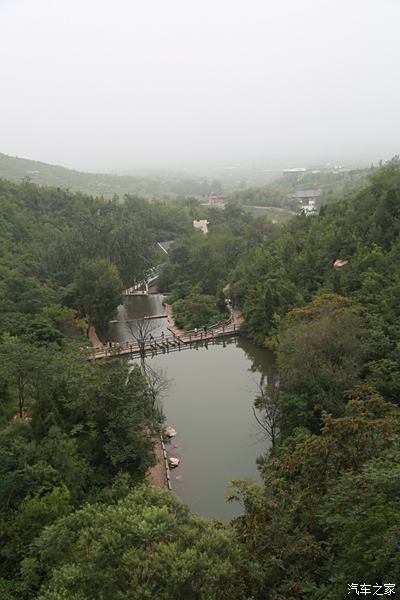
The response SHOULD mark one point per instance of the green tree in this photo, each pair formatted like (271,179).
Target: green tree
(9,589)
(146,546)
(327,510)
(22,364)
(99,289)
(34,513)
(320,356)
(108,411)
(384,376)
(197,310)
(361,516)
(60,316)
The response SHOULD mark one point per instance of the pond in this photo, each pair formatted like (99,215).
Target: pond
(209,403)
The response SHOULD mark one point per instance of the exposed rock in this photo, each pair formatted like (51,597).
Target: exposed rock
(173,462)
(338,264)
(169,431)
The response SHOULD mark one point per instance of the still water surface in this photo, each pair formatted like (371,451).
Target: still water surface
(209,403)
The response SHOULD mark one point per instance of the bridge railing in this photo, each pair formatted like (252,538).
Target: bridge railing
(218,325)
(166,342)
(134,344)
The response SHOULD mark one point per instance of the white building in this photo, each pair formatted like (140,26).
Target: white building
(201,224)
(309,208)
(306,200)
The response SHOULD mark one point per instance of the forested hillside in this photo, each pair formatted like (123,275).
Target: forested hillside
(63,249)
(76,438)
(199,265)
(327,513)
(332,185)
(349,330)
(151,185)
(77,520)
(289,271)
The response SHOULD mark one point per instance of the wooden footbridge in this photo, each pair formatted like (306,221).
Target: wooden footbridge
(168,343)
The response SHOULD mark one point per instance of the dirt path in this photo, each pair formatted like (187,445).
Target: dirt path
(95,341)
(157,475)
(236,315)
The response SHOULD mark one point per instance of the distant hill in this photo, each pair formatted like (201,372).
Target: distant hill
(100,184)
(328,186)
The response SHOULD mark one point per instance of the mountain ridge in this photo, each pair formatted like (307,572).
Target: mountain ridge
(158,184)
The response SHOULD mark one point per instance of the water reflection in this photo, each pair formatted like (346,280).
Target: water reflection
(262,361)
(210,406)
(137,307)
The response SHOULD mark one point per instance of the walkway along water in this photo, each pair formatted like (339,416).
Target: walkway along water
(159,475)
(178,341)
(209,403)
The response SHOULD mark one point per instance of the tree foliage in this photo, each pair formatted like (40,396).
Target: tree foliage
(76,436)
(99,289)
(145,546)
(199,266)
(83,427)
(51,239)
(327,512)
(288,270)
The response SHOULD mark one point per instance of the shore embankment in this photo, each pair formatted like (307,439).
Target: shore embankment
(158,475)
(171,325)
(235,318)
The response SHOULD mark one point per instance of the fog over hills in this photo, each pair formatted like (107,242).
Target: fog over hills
(145,182)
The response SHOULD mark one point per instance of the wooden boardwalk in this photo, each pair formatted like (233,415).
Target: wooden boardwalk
(169,343)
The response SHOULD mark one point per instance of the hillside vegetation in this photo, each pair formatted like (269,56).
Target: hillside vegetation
(291,269)
(156,185)
(332,185)
(78,521)
(327,513)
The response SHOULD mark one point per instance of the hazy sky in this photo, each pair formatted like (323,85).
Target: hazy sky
(125,84)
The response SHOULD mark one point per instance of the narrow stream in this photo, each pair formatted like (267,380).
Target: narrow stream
(209,403)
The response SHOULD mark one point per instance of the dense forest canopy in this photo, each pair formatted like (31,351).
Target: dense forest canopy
(198,266)
(74,434)
(289,270)
(53,242)
(77,519)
